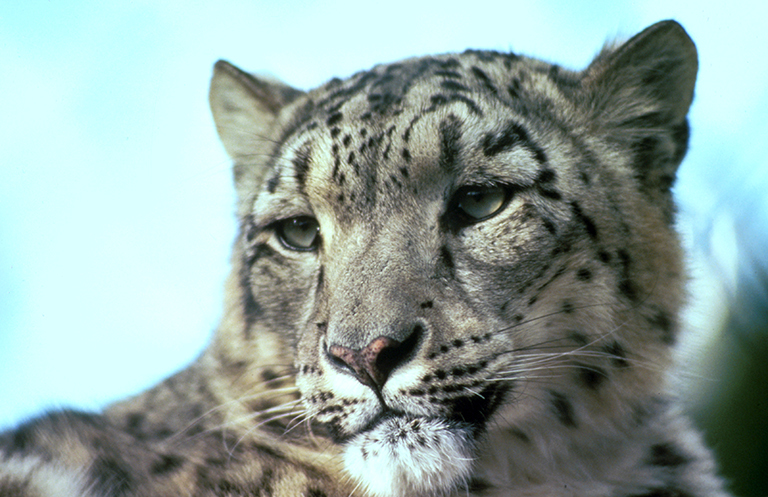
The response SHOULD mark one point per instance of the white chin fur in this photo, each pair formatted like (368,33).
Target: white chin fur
(410,456)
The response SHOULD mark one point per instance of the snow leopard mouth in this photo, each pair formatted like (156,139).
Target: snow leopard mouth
(468,412)
(405,423)
(397,453)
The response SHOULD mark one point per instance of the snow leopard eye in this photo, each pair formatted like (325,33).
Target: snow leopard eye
(477,203)
(299,233)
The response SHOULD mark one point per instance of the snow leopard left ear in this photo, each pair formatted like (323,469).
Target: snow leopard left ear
(639,94)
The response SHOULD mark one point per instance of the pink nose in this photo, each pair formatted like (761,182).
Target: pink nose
(373,364)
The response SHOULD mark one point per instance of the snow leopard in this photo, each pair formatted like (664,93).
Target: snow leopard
(454,275)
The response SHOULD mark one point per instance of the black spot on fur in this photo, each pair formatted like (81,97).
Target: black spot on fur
(450,145)
(382,103)
(478,486)
(300,163)
(273,183)
(443,100)
(549,225)
(626,286)
(544,184)
(168,463)
(315,492)
(448,74)
(426,305)
(334,119)
(549,193)
(446,258)
(586,221)
(251,308)
(663,322)
(592,376)
(320,279)
(111,477)
(584,274)
(513,135)
(452,85)
(667,455)
(618,355)
(604,257)
(520,434)
(514,88)
(546,176)
(563,409)
(268,375)
(484,79)
(134,423)
(579,338)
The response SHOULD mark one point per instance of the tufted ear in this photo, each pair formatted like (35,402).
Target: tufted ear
(647,81)
(246,109)
(639,93)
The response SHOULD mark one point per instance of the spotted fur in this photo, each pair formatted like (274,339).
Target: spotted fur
(455,275)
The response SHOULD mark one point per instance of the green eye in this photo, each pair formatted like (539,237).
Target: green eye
(299,233)
(480,202)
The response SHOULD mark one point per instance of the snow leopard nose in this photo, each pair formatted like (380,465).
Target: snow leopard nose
(373,364)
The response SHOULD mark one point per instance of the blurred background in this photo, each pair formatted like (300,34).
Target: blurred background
(116,204)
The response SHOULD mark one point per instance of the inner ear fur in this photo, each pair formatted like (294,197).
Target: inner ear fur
(646,82)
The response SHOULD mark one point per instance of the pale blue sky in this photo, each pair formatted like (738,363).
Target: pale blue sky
(115,196)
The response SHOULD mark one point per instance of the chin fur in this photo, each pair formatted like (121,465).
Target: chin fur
(410,456)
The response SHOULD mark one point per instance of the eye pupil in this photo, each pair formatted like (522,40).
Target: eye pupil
(299,233)
(478,203)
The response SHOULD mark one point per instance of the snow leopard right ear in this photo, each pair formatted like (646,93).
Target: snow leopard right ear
(246,109)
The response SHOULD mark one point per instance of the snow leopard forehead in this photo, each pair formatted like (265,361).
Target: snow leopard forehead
(442,121)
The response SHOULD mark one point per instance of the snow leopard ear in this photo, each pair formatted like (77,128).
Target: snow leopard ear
(647,81)
(640,93)
(246,109)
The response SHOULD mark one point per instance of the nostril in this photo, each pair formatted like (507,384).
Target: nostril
(344,358)
(339,362)
(396,353)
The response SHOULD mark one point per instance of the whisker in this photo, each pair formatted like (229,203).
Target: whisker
(253,429)
(276,392)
